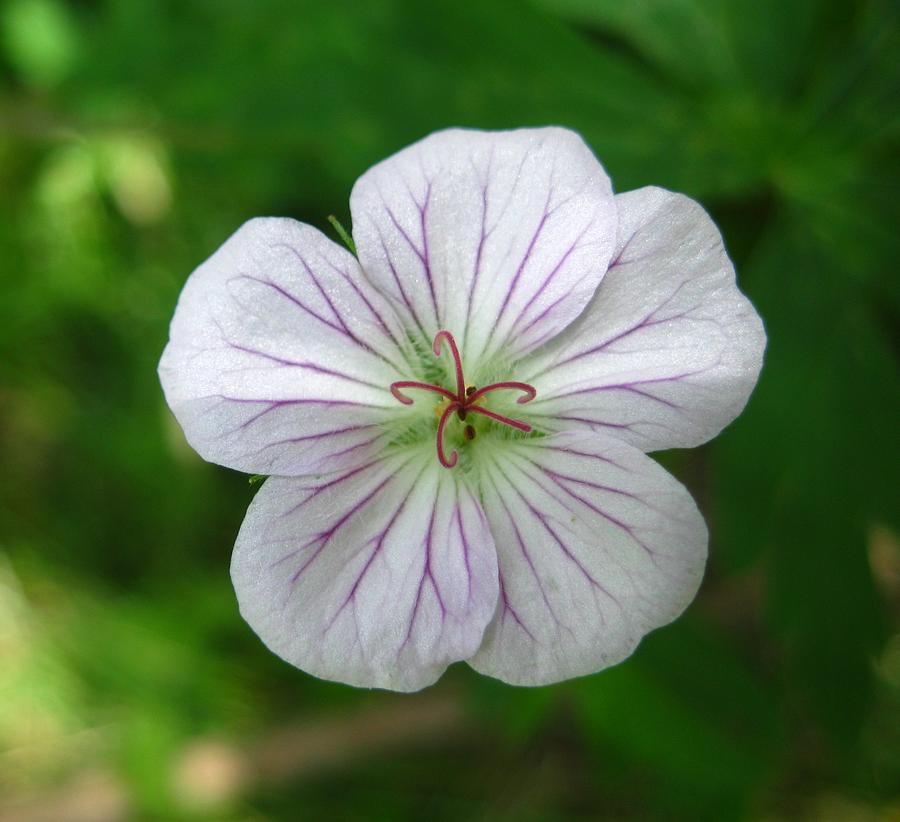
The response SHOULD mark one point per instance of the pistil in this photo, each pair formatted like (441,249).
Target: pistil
(465,400)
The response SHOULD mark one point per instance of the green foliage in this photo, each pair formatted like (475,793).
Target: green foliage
(135,136)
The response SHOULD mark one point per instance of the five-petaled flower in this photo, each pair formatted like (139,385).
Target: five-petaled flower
(455,424)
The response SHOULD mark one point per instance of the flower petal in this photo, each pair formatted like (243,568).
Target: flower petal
(668,351)
(499,237)
(377,577)
(597,546)
(281,355)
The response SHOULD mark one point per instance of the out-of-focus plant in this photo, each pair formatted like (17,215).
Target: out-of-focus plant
(135,135)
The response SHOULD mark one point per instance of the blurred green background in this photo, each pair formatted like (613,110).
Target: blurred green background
(136,135)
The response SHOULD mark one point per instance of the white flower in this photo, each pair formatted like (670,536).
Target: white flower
(412,520)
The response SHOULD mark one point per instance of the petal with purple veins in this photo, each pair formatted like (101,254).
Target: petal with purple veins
(380,576)
(668,351)
(597,545)
(281,354)
(500,237)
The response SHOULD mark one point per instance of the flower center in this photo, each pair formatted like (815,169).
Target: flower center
(466,400)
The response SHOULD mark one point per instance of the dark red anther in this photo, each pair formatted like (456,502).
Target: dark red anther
(464,400)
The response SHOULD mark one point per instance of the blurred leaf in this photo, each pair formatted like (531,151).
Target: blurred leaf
(687,713)
(40,40)
(825,415)
(713,45)
(325,69)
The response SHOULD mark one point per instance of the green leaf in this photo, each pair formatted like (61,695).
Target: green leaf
(688,713)
(809,467)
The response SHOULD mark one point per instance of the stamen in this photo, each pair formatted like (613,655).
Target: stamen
(464,400)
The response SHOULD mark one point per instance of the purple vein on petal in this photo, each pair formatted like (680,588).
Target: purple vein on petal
(386,330)
(595,424)
(534,320)
(318,489)
(319,369)
(344,328)
(560,479)
(274,405)
(623,526)
(618,426)
(426,257)
(630,387)
(647,321)
(291,298)
(508,609)
(525,259)
(465,544)
(588,454)
(351,448)
(379,541)
(484,234)
(404,296)
(422,255)
(330,532)
(510,199)
(617,260)
(427,575)
(544,518)
(547,280)
(331,485)
(303,401)
(309,273)
(321,435)
(526,555)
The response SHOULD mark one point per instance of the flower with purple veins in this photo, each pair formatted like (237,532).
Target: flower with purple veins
(455,424)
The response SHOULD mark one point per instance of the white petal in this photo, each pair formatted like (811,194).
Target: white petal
(668,351)
(377,577)
(281,355)
(499,237)
(597,546)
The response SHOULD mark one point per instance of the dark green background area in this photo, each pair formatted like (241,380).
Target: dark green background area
(136,135)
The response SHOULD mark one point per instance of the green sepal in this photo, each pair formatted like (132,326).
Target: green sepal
(342,233)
